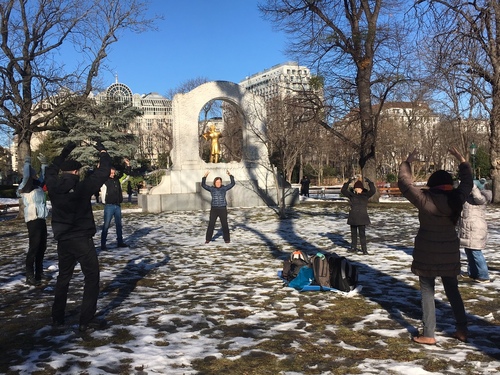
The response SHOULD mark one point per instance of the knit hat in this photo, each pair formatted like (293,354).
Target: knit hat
(70,165)
(439,178)
(358,184)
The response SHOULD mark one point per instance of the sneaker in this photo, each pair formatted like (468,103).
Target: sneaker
(227,241)
(207,242)
(122,244)
(482,281)
(351,250)
(424,340)
(30,280)
(464,275)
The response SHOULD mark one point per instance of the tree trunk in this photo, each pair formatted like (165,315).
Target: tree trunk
(23,150)
(367,160)
(495,147)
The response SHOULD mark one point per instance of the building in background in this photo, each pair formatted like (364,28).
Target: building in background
(154,128)
(279,80)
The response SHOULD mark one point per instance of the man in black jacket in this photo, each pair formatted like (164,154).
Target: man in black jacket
(112,197)
(74,227)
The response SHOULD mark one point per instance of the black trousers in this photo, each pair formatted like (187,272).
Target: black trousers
(81,250)
(218,212)
(354,236)
(37,234)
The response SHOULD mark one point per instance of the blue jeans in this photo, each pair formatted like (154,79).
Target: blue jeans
(477,267)
(450,284)
(112,211)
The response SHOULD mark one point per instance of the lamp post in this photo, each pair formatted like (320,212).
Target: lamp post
(473,150)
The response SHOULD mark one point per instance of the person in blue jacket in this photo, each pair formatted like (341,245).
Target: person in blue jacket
(218,206)
(35,214)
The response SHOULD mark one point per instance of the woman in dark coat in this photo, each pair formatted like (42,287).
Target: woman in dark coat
(358,215)
(437,246)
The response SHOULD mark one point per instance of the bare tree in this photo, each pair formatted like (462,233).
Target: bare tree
(463,37)
(356,46)
(36,85)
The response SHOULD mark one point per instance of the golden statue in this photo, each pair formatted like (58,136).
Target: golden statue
(213,135)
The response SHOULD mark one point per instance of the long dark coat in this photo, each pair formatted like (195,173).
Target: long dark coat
(437,246)
(358,215)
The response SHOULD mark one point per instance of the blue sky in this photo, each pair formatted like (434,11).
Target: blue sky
(217,39)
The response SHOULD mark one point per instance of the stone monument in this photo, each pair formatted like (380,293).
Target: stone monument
(180,188)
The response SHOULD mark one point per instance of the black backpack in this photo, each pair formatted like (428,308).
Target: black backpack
(293,264)
(343,274)
(321,269)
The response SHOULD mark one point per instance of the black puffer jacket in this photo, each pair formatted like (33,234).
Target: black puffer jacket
(71,207)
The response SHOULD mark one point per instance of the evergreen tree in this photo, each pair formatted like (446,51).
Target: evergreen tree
(108,122)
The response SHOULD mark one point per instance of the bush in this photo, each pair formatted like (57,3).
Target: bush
(8,191)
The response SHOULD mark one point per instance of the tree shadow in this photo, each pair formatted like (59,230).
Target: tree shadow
(126,281)
(400,300)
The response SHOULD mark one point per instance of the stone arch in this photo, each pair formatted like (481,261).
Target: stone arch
(186,109)
(180,187)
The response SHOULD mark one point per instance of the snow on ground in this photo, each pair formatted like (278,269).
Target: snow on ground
(171,300)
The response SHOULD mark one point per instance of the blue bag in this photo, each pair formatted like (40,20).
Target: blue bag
(304,277)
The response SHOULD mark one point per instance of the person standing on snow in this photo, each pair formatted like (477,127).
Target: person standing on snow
(473,231)
(74,228)
(35,214)
(436,251)
(112,197)
(304,186)
(218,206)
(358,215)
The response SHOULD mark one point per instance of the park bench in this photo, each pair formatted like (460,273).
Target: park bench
(391,191)
(4,208)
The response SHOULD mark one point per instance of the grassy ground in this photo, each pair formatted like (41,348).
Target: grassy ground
(327,334)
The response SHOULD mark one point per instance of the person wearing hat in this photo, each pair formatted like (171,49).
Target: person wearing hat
(473,231)
(35,214)
(358,214)
(74,228)
(112,197)
(436,251)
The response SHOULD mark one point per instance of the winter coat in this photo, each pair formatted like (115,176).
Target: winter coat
(72,215)
(34,199)
(437,246)
(473,229)
(218,194)
(111,190)
(34,205)
(358,215)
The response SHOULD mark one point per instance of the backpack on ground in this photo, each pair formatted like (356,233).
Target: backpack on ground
(321,268)
(293,264)
(343,274)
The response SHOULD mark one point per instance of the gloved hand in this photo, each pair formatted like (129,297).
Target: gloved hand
(42,158)
(27,159)
(367,180)
(70,146)
(99,146)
